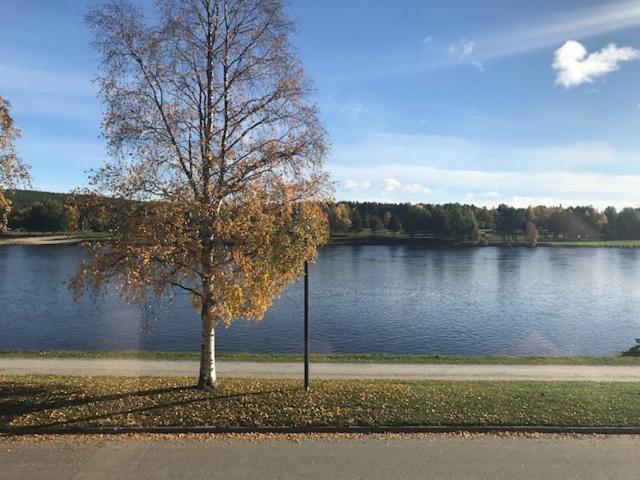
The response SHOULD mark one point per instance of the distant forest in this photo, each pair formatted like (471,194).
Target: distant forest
(35,211)
(48,212)
(469,222)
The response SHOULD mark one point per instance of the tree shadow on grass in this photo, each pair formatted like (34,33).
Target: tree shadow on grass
(17,399)
(21,399)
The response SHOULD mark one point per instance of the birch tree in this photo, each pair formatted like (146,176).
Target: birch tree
(12,171)
(214,177)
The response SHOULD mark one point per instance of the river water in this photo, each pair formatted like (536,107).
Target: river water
(364,299)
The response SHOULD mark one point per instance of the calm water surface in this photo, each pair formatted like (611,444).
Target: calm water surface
(391,299)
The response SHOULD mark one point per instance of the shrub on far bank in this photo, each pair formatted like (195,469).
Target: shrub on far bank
(633,351)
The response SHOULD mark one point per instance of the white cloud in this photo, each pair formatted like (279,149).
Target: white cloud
(390,184)
(353,186)
(576,66)
(428,39)
(393,185)
(415,188)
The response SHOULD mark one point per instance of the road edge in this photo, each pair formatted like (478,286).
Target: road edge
(115,430)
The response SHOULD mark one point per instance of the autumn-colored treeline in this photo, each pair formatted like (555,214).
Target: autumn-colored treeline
(472,222)
(35,211)
(450,220)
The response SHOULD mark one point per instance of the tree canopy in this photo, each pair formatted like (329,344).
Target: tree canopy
(216,153)
(12,171)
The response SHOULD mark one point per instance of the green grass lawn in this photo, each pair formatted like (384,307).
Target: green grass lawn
(337,357)
(383,237)
(50,401)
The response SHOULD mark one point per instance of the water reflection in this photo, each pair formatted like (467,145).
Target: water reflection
(392,299)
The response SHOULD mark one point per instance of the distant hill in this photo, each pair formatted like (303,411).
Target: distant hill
(26,198)
(34,211)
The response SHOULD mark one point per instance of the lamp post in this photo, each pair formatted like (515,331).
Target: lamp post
(306,326)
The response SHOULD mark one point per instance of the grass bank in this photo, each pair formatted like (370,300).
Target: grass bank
(594,243)
(358,239)
(113,401)
(336,357)
(393,238)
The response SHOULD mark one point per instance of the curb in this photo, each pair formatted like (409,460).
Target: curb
(321,429)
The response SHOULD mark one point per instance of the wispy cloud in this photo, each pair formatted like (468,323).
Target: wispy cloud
(462,51)
(34,80)
(442,169)
(478,64)
(521,38)
(489,195)
(380,148)
(580,23)
(37,92)
(353,110)
(456,185)
(576,66)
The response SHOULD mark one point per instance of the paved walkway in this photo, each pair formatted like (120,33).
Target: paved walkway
(133,367)
(371,458)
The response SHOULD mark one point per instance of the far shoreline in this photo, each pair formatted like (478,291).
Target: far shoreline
(365,240)
(604,360)
(41,240)
(448,243)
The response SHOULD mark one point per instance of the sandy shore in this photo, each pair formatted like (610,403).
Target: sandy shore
(44,240)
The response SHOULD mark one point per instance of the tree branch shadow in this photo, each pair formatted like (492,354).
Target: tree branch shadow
(14,403)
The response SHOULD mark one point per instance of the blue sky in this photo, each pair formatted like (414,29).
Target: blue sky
(424,101)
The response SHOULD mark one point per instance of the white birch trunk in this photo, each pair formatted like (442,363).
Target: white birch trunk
(207,377)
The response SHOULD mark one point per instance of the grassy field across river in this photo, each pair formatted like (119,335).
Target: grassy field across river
(388,238)
(394,238)
(337,357)
(51,401)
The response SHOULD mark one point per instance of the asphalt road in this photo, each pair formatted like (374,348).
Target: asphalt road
(479,457)
(133,367)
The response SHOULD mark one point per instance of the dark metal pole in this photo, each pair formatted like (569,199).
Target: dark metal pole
(306,326)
